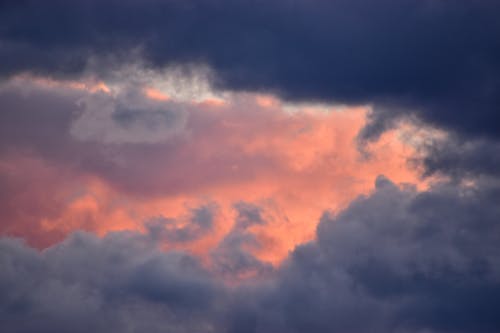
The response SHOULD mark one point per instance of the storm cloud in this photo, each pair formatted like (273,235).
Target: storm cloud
(397,260)
(196,166)
(434,59)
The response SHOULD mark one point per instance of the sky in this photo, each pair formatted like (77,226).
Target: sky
(280,166)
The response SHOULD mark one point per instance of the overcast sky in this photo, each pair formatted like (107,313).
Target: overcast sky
(250,166)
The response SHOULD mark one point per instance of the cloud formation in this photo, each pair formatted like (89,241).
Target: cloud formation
(104,175)
(130,118)
(209,166)
(199,223)
(119,283)
(453,156)
(396,260)
(435,59)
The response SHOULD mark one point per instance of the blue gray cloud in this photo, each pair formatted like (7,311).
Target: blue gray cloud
(398,260)
(435,59)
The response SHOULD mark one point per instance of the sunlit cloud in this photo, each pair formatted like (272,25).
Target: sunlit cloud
(241,167)
(293,164)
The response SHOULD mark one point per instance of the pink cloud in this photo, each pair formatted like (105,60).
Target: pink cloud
(249,148)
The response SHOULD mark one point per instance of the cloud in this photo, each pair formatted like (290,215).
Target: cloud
(435,59)
(221,199)
(397,260)
(233,257)
(128,118)
(37,116)
(199,224)
(453,156)
(120,283)
(168,119)
(291,164)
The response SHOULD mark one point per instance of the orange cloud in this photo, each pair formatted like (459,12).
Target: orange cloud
(294,165)
(156,94)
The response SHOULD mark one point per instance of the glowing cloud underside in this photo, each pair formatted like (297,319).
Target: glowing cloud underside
(158,158)
(234,166)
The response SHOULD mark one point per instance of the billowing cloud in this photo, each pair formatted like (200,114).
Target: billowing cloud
(396,260)
(119,283)
(109,168)
(400,260)
(209,166)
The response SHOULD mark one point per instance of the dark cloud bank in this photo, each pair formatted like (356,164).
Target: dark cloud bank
(397,260)
(437,59)
(434,60)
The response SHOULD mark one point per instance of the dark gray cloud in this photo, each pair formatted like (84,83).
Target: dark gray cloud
(117,283)
(233,256)
(247,215)
(398,260)
(459,158)
(436,59)
(429,256)
(200,222)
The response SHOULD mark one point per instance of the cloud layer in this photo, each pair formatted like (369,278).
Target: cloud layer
(396,260)
(110,169)
(209,166)
(436,59)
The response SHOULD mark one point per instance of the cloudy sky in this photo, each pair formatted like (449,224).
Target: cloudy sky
(279,166)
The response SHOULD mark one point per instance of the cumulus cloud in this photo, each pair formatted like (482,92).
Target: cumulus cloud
(119,283)
(292,164)
(77,153)
(397,260)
